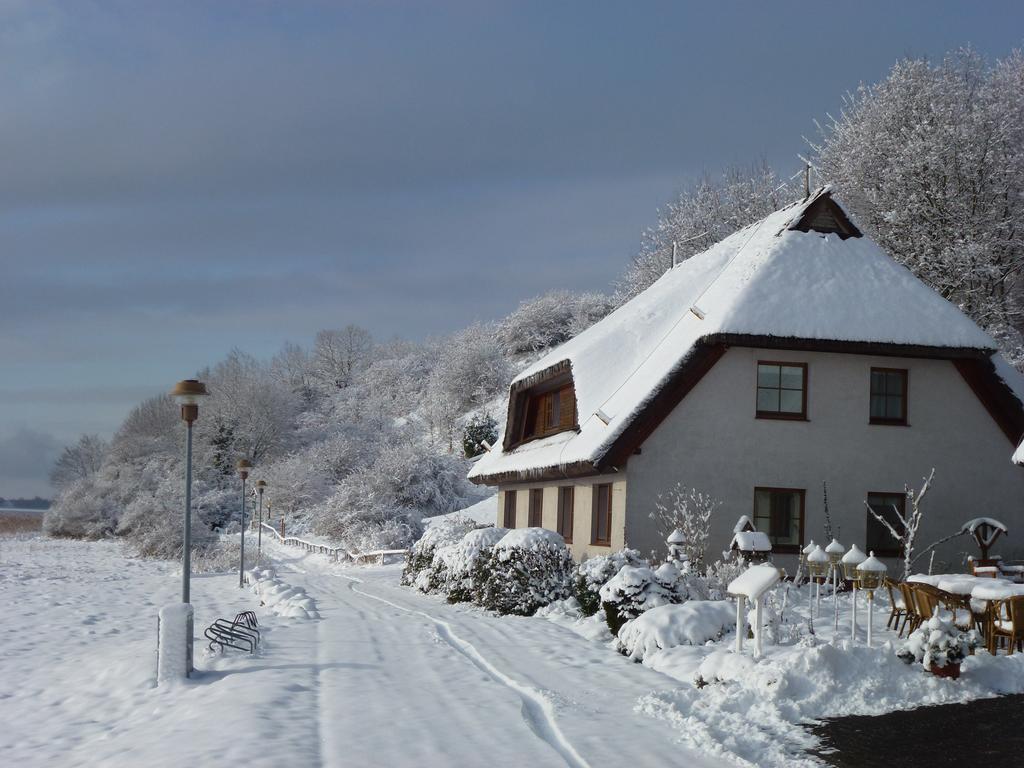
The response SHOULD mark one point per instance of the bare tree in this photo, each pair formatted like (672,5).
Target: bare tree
(909,522)
(687,510)
(339,355)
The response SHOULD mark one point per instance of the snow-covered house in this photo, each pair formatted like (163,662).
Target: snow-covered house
(792,354)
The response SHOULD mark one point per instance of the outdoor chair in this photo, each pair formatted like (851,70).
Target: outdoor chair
(911,618)
(897,604)
(959,606)
(1007,624)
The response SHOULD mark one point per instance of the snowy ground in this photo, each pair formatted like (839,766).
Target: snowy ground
(387,676)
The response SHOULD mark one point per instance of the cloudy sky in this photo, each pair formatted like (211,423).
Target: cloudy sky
(181,178)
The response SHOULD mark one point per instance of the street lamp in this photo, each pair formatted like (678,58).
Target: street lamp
(244,467)
(871,573)
(851,560)
(261,486)
(187,394)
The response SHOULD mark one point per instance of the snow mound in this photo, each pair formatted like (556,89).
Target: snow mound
(280,597)
(533,539)
(693,623)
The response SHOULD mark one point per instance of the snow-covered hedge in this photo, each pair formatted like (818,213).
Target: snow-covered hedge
(594,572)
(528,568)
(462,576)
(636,589)
(421,556)
(693,623)
(282,598)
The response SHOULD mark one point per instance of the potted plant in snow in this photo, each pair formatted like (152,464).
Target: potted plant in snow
(939,646)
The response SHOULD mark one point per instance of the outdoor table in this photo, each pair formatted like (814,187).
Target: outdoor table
(957,583)
(989,595)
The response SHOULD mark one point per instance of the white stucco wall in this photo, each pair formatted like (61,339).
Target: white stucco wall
(713,442)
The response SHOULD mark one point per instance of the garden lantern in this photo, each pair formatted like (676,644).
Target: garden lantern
(244,468)
(676,542)
(851,560)
(835,552)
(871,572)
(817,569)
(803,564)
(261,486)
(188,394)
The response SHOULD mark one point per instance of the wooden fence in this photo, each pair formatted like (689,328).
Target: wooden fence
(335,553)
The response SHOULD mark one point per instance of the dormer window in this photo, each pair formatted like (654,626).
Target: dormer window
(826,217)
(542,406)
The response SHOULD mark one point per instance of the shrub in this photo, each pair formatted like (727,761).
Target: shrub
(421,556)
(459,561)
(635,589)
(938,643)
(527,569)
(594,572)
(693,623)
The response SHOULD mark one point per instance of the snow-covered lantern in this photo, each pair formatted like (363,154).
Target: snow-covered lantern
(676,547)
(817,569)
(835,552)
(754,545)
(806,551)
(871,573)
(851,560)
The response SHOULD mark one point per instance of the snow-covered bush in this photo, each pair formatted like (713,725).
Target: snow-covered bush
(721,572)
(81,511)
(938,643)
(594,572)
(421,557)
(693,623)
(688,511)
(636,589)
(459,561)
(526,569)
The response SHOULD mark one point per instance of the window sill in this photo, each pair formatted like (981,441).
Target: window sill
(885,423)
(781,416)
(600,543)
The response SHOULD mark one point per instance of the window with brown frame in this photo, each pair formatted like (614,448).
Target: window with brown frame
(509,519)
(536,516)
(878,538)
(780,513)
(549,412)
(601,524)
(781,390)
(566,498)
(889,396)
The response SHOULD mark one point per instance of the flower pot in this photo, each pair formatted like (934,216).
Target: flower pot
(951,671)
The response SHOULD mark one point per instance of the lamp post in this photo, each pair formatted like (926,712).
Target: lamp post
(871,573)
(851,560)
(835,552)
(261,486)
(244,467)
(187,394)
(803,562)
(817,567)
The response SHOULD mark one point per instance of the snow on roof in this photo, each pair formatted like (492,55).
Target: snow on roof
(753,582)
(743,524)
(765,280)
(751,541)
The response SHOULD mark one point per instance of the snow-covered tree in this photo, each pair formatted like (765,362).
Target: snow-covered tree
(79,461)
(930,162)
(908,522)
(550,319)
(338,356)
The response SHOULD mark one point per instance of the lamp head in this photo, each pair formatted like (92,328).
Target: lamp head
(187,394)
(244,466)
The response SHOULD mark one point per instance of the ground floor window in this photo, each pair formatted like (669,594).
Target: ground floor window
(779,512)
(536,507)
(566,497)
(601,525)
(891,507)
(509,520)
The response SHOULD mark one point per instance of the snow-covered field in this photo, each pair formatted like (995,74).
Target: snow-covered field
(371,673)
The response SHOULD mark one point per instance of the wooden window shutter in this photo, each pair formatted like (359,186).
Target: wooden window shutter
(567,416)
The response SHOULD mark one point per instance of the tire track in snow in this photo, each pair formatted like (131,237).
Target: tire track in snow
(537,710)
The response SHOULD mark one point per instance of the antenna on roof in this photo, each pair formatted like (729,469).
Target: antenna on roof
(807,180)
(675,247)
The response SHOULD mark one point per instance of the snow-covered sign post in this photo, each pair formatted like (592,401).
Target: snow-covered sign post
(752,585)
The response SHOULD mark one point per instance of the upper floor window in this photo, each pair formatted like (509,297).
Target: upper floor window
(780,513)
(888,396)
(536,507)
(781,390)
(550,412)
